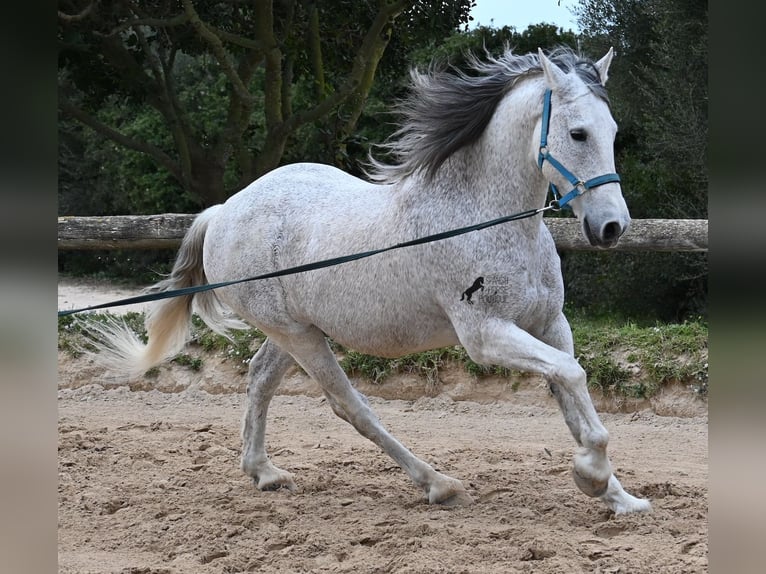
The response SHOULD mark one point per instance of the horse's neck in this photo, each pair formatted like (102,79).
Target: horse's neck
(498,174)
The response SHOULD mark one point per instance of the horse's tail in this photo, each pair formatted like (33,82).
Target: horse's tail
(168,321)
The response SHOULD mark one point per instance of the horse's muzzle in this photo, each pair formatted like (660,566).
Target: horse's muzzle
(605,236)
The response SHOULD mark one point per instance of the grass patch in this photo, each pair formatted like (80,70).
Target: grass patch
(632,360)
(190,361)
(239,347)
(425,364)
(621,358)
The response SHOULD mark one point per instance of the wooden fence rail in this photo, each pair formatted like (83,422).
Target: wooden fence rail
(165,231)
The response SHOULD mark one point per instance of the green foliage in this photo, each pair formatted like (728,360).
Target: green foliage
(484,39)
(137,185)
(102,177)
(131,267)
(663,286)
(373,368)
(207,96)
(239,347)
(425,364)
(186,360)
(477,370)
(69,334)
(621,358)
(624,358)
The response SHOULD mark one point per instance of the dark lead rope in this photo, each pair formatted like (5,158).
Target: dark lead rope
(311,266)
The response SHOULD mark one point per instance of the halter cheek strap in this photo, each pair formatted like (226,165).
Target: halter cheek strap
(578,186)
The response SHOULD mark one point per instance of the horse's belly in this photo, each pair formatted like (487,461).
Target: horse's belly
(383,317)
(393,340)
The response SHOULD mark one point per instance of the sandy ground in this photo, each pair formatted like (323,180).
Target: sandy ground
(149,479)
(79,293)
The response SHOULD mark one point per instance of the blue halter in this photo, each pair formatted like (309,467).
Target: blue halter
(579,186)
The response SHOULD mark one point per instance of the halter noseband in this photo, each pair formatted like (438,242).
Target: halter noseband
(579,186)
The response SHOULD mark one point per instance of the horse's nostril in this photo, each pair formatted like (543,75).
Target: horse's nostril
(611,231)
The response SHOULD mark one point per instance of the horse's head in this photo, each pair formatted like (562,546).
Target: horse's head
(576,152)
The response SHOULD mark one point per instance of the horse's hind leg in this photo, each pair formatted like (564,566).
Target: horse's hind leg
(314,355)
(266,370)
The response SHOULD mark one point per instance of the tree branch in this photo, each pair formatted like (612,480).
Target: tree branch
(272,91)
(237,40)
(219,51)
(363,70)
(84,13)
(110,133)
(369,56)
(179,20)
(237,122)
(315,52)
(177,120)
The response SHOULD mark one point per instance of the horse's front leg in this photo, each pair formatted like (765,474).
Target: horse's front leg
(559,335)
(499,342)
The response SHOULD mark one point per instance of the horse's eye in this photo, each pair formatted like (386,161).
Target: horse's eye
(578,135)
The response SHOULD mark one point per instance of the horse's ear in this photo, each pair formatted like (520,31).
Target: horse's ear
(554,76)
(603,65)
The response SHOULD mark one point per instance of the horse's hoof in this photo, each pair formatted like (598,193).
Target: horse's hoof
(591,487)
(457,499)
(630,505)
(274,486)
(449,492)
(280,482)
(620,502)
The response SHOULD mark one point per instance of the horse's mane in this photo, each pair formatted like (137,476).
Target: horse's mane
(446,110)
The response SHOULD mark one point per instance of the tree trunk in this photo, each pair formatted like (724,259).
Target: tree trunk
(207,180)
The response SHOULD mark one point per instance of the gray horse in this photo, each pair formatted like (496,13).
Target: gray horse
(471,148)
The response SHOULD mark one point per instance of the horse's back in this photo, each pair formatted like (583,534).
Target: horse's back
(297,183)
(290,216)
(304,213)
